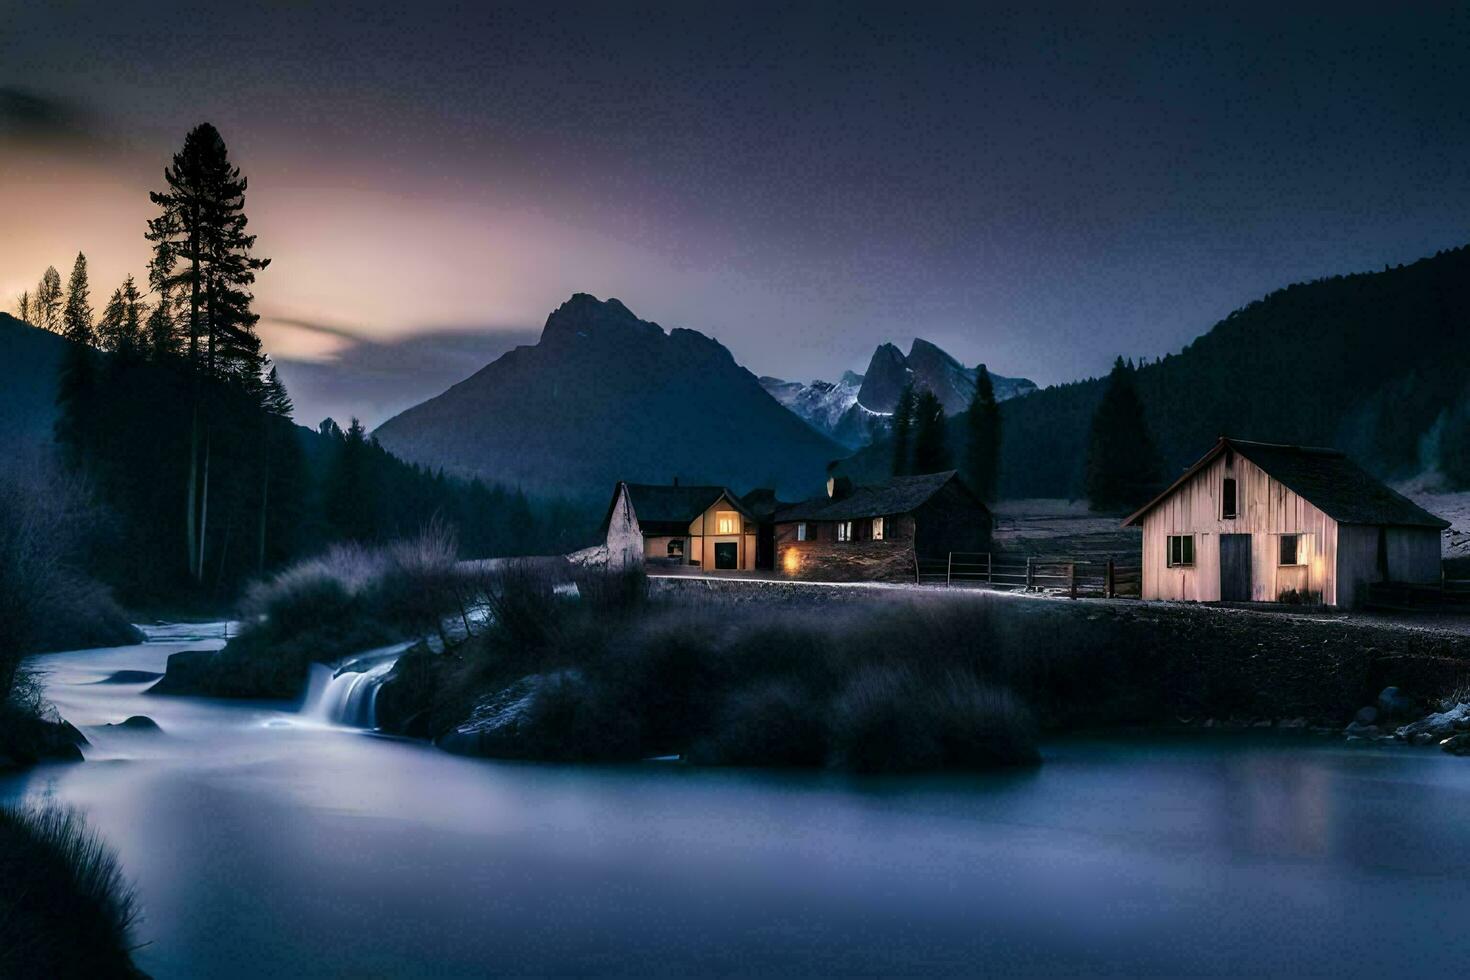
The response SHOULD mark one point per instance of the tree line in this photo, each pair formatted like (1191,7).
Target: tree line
(172,413)
(920,440)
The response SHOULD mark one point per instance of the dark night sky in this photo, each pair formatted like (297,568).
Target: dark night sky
(1038,189)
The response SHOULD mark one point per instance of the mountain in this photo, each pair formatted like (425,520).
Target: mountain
(31,358)
(855,410)
(604,396)
(1370,363)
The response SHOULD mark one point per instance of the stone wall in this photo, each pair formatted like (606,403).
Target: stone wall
(824,558)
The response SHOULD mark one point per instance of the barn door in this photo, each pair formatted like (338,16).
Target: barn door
(1235,568)
(727,555)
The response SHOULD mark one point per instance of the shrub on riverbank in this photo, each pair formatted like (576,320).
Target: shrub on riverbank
(65,908)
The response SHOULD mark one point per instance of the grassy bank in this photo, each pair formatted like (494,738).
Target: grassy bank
(347,600)
(65,908)
(772,674)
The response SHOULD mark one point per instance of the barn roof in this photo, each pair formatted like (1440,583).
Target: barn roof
(896,496)
(659,503)
(1325,478)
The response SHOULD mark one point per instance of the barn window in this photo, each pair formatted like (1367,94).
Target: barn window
(727,522)
(676,548)
(1227,498)
(1291,549)
(1181,550)
(801,531)
(844,530)
(877,529)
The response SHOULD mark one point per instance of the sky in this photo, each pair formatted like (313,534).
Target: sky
(1038,187)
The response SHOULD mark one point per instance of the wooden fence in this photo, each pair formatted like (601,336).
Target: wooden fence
(1074,575)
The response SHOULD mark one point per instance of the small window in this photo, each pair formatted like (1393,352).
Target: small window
(1181,550)
(1227,498)
(676,548)
(727,522)
(801,531)
(877,529)
(844,530)
(1291,549)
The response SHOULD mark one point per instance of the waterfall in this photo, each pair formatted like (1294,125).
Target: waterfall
(348,693)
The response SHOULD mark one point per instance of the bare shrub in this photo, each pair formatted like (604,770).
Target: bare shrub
(66,908)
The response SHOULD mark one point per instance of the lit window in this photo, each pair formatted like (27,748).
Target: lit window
(676,548)
(801,531)
(1227,498)
(1181,550)
(1291,549)
(877,529)
(844,530)
(727,522)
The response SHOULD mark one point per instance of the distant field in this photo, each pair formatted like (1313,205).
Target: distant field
(1043,526)
(1453,507)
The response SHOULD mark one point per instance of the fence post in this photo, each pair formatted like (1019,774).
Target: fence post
(1030,575)
(916,568)
(989,568)
(1110,589)
(1072,578)
(949,570)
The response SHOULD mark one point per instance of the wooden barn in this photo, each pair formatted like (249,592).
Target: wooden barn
(877,531)
(1256,522)
(674,524)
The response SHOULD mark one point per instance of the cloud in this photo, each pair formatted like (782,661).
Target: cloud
(375,380)
(27,116)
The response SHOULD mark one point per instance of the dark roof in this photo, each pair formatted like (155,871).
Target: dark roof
(1325,478)
(899,495)
(657,504)
(762,502)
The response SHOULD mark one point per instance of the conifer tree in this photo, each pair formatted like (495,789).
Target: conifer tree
(903,432)
(23,307)
(110,325)
(931,450)
(982,430)
(76,318)
(1122,464)
(48,301)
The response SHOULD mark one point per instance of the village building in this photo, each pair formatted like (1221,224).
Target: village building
(672,525)
(879,531)
(1256,522)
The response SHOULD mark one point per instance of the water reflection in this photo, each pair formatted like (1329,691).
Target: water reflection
(263,845)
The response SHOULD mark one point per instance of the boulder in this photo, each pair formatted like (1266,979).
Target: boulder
(130,677)
(137,723)
(1457,744)
(1394,704)
(188,672)
(1367,715)
(1440,725)
(1359,730)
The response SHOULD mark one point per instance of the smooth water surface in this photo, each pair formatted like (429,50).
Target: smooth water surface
(267,842)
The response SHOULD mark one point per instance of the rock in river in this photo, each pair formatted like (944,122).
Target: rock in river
(1457,744)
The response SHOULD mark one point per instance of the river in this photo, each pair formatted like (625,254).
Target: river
(270,842)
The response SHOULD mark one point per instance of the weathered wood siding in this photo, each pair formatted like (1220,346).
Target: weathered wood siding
(624,538)
(1265,510)
(823,558)
(1412,553)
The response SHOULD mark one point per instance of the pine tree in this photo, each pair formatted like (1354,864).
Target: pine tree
(76,318)
(23,307)
(982,429)
(110,325)
(48,301)
(931,451)
(903,432)
(350,490)
(1122,464)
(131,340)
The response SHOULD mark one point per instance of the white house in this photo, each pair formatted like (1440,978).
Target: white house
(1256,522)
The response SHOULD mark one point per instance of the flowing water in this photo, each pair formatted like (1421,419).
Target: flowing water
(266,840)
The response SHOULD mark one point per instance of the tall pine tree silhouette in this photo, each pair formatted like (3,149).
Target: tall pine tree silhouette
(1122,464)
(982,438)
(931,449)
(903,432)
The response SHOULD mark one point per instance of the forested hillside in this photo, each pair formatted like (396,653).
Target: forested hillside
(1374,364)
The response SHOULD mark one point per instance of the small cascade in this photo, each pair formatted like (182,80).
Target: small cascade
(348,694)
